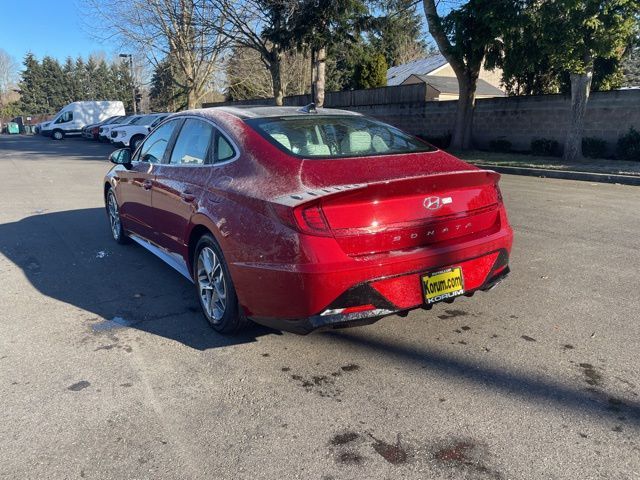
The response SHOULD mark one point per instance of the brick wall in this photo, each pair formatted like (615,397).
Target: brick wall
(517,119)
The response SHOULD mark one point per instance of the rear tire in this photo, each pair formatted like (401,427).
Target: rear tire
(214,287)
(57,134)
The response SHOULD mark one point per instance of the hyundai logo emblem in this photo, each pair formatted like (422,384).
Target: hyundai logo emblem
(432,203)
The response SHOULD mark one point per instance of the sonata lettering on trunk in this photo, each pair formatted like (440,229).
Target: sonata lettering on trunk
(436,231)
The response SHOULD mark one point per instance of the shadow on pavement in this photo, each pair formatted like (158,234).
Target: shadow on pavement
(590,400)
(70,256)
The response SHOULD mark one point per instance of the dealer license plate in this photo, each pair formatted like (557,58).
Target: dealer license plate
(442,285)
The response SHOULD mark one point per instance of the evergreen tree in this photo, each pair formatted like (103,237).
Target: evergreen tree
(398,32)
(81,79)
(102,81)
(33,98)
(371,72)
(91,89)
(124,84)
(166,94)
(55,86)
(73,87)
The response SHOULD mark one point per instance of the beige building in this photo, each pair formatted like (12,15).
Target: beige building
(441,80)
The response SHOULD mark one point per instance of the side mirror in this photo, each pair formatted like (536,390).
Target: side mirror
(121,156)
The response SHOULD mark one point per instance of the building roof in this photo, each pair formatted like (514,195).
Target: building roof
(398,74)
(450,85)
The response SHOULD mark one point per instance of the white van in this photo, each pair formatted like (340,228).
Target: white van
(77,115)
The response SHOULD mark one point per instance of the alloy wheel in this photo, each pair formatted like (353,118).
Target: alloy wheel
(114,216)
(211,284)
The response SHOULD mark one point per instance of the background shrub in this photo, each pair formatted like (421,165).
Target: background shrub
(500,145)
(594,147)
(629,146)
(545,147)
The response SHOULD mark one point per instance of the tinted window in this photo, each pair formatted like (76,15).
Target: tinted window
(224,149)
(154,146)
(193,142)
(65,117)
(333,136)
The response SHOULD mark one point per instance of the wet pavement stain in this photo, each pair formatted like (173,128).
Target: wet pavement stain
(466,455)
(344,438)
(448,314)
(528,338)
(352,367)
(325,385)
(32,264)
(394,454)
(350,458)
(592,377)
(615,404)
(81,385)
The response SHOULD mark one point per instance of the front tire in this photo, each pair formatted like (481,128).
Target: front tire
(57,134)
(216,293)
(113,212)
(134,142)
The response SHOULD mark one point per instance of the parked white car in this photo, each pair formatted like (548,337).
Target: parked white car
(104,134)
(132,134)
(77,115)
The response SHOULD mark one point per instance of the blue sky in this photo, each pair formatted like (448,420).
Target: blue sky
(46,27)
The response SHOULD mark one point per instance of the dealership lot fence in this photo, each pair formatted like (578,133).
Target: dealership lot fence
(516,119)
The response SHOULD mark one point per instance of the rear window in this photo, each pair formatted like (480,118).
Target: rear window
(334,136)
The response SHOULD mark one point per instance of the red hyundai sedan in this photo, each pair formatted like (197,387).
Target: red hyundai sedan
(302,219)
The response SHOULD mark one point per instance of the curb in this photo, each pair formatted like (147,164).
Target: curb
(564,174)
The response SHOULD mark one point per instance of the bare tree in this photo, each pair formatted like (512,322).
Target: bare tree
(187,31)
(245,81)
(266,27)
(8,75)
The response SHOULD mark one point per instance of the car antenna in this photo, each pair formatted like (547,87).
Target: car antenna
(311,108)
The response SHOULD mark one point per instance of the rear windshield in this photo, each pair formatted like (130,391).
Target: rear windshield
(334,136)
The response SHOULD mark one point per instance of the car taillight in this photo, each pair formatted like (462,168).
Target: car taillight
(307,218)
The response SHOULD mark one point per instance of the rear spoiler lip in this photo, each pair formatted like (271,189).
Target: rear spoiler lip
(307,195)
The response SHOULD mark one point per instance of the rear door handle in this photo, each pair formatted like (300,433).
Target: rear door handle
(187,197)
(147,184)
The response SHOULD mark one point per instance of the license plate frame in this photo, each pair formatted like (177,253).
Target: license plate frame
(433,288)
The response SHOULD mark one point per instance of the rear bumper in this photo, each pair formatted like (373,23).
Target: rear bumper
(368,294)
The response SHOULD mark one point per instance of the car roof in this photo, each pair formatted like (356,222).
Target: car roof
(261,111)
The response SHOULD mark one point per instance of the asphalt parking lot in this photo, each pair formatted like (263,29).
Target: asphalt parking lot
(108,370)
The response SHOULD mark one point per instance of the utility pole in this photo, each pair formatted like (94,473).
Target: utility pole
(133,85)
